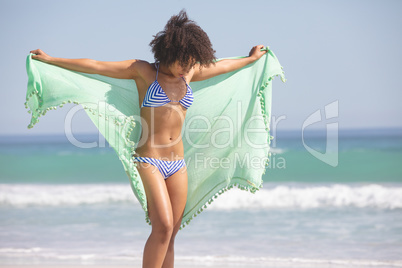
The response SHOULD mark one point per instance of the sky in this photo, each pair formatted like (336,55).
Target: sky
(345,55)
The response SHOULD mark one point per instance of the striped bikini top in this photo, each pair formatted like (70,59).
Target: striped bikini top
(156,96)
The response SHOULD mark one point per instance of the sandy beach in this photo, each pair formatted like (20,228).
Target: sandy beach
(214,265)
(177,265)
(200,266)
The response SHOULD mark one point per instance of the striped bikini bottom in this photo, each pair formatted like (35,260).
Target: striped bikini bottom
(166,168)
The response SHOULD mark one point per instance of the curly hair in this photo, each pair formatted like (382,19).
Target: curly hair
(184,41)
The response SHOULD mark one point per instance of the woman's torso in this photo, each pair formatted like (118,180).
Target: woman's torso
(162,126)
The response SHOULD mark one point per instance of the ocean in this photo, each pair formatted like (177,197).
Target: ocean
(63,205)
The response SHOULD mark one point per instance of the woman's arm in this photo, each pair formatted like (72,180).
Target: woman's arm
(119,69)
(228,65)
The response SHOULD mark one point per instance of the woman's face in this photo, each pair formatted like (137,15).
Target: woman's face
(179,71)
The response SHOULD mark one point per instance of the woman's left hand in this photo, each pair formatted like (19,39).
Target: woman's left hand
(256,53)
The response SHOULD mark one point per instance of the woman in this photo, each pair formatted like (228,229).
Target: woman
(183,53)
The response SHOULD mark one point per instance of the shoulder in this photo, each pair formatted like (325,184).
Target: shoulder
(142,69)
(205,72)
(194,71)
(145,74)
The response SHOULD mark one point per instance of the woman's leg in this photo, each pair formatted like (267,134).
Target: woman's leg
(177,189)
(160,213)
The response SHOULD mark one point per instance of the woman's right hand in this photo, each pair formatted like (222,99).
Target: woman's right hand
(127,69)
(40,55)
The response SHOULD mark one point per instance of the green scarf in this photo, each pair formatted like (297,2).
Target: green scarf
(226,133)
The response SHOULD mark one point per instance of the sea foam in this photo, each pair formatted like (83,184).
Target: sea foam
(300,196)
